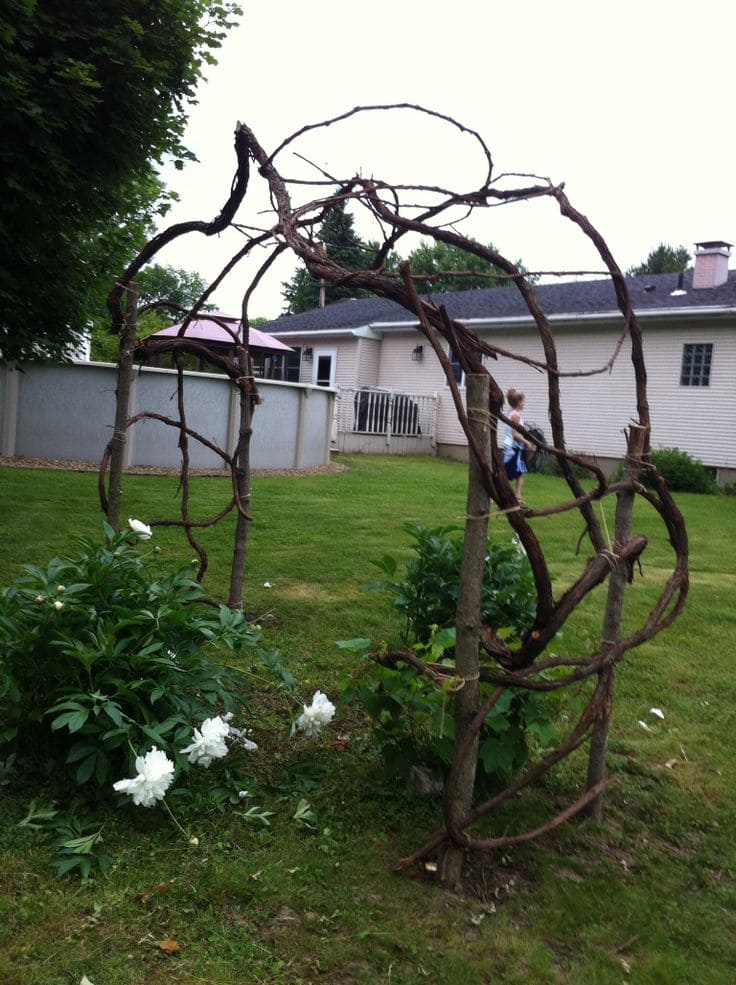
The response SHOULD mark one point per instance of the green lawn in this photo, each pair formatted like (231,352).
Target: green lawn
(647,895)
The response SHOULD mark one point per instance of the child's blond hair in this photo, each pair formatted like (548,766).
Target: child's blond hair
(514,396)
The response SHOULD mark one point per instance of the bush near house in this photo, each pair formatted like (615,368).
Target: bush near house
(682,472)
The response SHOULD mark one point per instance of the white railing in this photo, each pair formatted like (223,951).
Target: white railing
(368,417)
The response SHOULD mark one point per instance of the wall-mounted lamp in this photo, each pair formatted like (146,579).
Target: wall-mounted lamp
(417,353)
(307,354)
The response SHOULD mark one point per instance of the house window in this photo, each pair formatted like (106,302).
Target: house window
(293,364)
(696,360)
(457,370)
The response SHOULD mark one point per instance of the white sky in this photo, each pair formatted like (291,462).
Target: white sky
(628,103)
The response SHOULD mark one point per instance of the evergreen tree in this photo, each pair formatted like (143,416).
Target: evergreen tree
(344,245)
(664,260)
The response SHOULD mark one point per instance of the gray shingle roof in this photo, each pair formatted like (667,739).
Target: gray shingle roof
(648,293)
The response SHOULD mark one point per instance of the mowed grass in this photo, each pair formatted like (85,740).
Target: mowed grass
(647,895)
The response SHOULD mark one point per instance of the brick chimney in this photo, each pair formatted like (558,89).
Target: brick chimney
(711,264)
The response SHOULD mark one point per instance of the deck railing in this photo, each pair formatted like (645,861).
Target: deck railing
(368,417)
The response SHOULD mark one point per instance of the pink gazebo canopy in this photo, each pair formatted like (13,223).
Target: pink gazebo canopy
(209,331)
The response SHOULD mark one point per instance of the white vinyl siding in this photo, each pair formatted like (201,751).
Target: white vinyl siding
(346,350)
(699,420)
(368,362)
(597,409)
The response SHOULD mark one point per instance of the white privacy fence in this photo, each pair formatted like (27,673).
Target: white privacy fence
(368,419)
(67,412)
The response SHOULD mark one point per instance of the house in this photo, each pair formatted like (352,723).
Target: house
(371,351)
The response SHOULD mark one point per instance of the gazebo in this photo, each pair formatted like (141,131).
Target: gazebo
(270,357)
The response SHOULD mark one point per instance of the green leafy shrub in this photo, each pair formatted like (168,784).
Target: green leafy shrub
(428,594)
(102,656)
(413,720)
(681,472)
(414,724)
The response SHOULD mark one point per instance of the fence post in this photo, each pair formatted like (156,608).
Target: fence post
(389,417)
(329,421)
(10,410)
(233,420)
(300,417)
(435,415)
(129,446)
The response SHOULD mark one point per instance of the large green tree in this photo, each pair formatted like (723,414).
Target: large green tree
(93,96)
(431,260)
(664,259)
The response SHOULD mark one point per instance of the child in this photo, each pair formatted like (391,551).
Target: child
(514,443)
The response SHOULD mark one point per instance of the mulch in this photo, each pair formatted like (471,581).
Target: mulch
(70,465)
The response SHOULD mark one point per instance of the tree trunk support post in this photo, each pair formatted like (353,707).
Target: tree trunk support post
(458,795)
(611,630)
(122,406)
(242,476)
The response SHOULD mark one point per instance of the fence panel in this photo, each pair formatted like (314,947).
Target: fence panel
(67,412)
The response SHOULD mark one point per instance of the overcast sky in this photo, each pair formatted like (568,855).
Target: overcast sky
(628,103)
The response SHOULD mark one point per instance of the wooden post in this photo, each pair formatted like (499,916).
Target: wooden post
(122,404)
(242,477)
(611,630)
(458,796)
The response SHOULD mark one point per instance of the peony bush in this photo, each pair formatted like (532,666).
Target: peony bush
(108,679)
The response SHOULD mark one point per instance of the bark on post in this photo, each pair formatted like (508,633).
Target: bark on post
(242,477)
(458,795)
(122,405)
(611,631)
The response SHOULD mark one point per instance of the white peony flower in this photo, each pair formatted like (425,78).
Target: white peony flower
(40,598)
(155,775)
(209,742)
(143,531)
(656,711)
(319,713)
(58,605)
(61,589)
(243,794)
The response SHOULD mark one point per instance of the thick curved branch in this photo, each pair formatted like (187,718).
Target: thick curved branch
(216,225)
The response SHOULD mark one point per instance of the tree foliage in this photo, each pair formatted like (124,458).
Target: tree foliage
(92,98)
(342,243)
(664,259)
(155,283)
(428,262)
(431,259)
